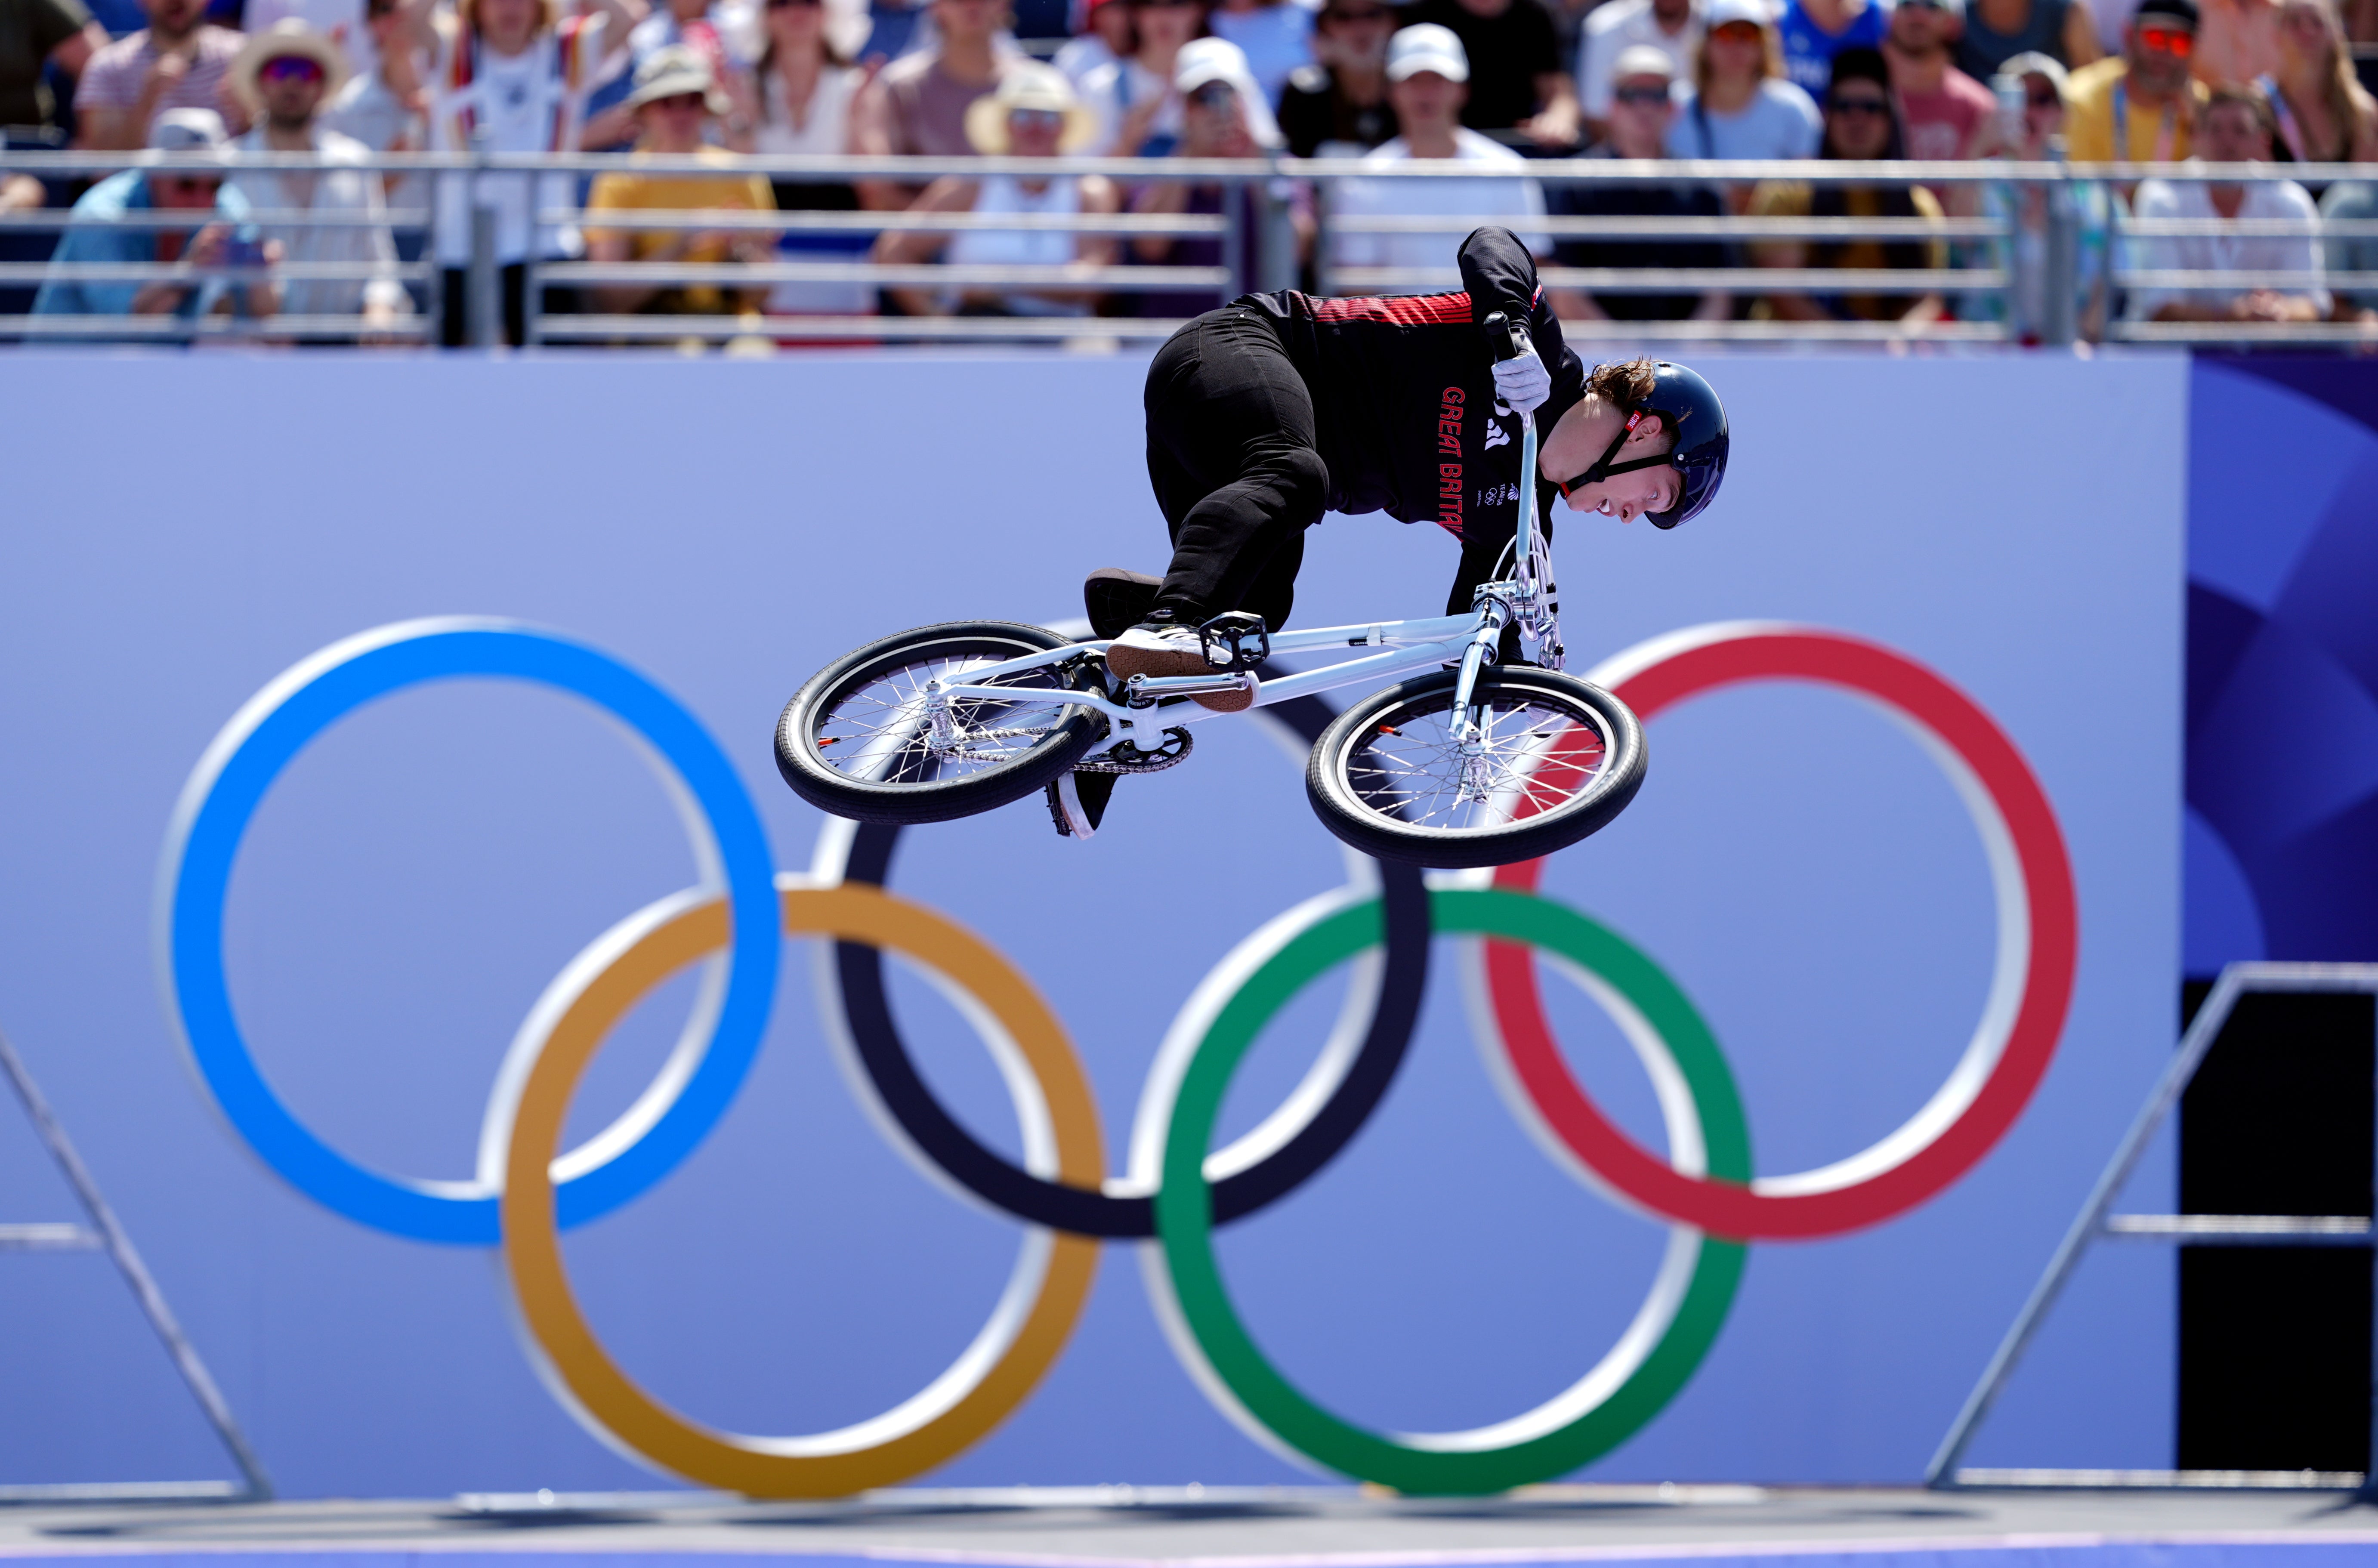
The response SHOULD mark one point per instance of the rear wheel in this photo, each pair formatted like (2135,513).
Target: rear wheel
(1556,759)
(868,739)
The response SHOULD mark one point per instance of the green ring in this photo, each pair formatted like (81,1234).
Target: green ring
(1214,1335)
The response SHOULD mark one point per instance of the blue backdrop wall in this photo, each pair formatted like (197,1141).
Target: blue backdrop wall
(2282,834)
(183,530)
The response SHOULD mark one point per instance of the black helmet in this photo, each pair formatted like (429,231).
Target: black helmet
(1690,405)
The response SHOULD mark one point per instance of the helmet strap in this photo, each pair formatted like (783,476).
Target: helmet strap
(1604,468)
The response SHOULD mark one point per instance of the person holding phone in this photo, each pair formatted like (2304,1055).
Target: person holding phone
(218,235)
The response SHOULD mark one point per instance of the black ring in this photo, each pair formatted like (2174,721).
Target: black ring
(993,1178)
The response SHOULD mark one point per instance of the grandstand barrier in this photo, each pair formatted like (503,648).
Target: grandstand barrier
(1279,227)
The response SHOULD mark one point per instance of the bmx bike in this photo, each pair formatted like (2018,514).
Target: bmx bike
(1473,762)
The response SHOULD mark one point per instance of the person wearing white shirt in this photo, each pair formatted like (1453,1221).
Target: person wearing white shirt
(1427,77)
(509,76)
(1104,37)
(2236,127)
(283,76)
(1139,114)
(1671,27)
(382,107)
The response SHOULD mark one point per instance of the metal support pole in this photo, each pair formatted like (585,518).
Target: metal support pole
(136,1274)
(2060,322)
(481,287)
(1276,258)
(2369,1492)
(1237,243)
(1321,269)
(2091,1223)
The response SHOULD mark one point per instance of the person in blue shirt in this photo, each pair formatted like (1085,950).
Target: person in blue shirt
(97,235)
(1815,30)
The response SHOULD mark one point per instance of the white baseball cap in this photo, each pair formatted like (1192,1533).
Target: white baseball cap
(187,130)
(1427,47)
(1205,60)
(1724,11)
(1642,60)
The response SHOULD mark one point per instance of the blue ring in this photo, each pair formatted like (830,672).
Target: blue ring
(230,783)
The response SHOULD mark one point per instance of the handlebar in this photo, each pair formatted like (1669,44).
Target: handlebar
(1505,338)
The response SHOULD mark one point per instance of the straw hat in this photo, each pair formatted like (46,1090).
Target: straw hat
(284,38)
(1029,87)
(673,70)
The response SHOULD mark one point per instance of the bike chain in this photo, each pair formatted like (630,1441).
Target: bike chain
(1155,761)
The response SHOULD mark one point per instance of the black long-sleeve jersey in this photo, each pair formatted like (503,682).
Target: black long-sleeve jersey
(1404,397)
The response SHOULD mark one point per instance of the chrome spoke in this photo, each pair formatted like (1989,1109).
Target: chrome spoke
(1535,756)
(883,730)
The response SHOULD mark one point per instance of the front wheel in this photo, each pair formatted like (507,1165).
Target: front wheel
(869,738)
(1552,759)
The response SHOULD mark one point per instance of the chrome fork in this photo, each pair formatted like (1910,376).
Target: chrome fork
(1470,736)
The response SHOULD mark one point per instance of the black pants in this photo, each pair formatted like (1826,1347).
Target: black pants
(1238,474)
(454,319)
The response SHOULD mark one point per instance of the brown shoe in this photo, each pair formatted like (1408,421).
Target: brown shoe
(1162,649)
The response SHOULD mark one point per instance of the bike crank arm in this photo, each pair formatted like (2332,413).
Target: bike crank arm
(1144,689)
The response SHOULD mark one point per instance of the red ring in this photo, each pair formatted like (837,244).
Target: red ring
(1730,1209)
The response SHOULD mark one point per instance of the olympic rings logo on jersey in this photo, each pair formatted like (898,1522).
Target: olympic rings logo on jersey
(527,1190)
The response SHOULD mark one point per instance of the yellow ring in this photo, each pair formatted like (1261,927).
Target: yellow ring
(956,1409)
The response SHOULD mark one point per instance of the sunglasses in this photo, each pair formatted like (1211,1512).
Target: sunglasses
(790,5)
(1035,120)
(681,102)
(2177,43)
(1215,96)
(191,184)
(1738,33)
(290,67)
(1858,105)
(1642,97)
(2045,97)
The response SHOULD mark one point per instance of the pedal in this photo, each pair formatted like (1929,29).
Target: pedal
(1077,803)
(1236,641)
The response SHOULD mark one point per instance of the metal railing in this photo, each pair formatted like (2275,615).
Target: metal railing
(1283,222)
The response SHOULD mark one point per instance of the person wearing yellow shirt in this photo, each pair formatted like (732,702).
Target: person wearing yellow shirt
(2140,106)
(675,101)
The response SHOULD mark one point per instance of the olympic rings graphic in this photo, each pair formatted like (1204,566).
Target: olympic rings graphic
(2031,987)
(1347,1078)
(712,1056)
(1028,1328)
(1659,1349)
(1175,1191)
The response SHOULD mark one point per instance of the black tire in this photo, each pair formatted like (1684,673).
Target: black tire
(1361,786)
(924,787)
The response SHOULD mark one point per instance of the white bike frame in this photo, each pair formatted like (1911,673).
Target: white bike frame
(1526,599)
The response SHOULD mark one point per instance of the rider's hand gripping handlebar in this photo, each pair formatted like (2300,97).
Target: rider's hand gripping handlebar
(1505,338)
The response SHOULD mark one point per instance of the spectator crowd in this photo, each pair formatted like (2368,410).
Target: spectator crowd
(676,90)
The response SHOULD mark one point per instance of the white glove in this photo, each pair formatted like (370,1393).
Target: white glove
(1523,381)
